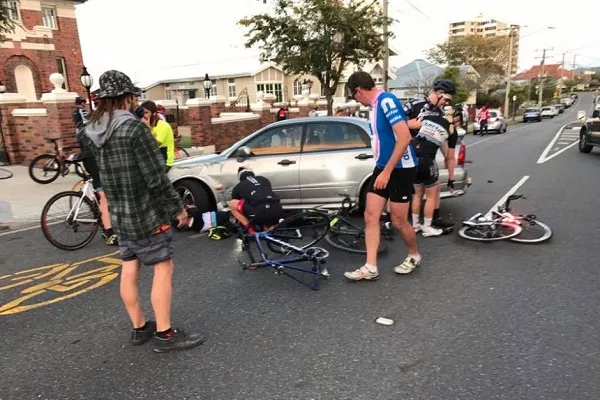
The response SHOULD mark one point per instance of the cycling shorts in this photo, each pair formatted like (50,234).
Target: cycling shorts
(427,173)
(400,186)
(261,214)
(92,168)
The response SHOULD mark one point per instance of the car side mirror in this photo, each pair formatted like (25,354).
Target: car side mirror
(242,153)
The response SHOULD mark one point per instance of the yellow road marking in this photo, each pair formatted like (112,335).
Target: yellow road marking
(58,282)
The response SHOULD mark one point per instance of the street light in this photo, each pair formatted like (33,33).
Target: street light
(87,81)
(207,86)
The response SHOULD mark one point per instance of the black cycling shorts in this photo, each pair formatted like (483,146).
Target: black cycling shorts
(400,186)
(90,166)
(427,173)
(262,214)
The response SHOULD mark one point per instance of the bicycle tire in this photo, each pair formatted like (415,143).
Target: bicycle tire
(5,174)
(336,232)
(314,217)
(516,231)
(545,237)
(50,158)
(45,225)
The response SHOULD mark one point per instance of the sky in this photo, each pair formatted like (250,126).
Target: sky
(157,39)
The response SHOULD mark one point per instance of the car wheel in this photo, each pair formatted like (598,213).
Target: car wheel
(193,192)
(583,146)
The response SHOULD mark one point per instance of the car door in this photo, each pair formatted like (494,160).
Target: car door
(274,154)
(336,158)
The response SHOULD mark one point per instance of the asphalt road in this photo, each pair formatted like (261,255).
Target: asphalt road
(476,321)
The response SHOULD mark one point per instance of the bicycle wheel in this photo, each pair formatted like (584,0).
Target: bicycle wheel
(344,235)
(301,230)
(533,232)
(49,166)
(489,233)
(84,226)
(5,174)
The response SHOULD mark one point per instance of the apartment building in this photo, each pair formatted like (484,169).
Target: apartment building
(488,27)
(45,41)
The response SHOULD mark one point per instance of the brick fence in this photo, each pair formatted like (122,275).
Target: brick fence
(24,125)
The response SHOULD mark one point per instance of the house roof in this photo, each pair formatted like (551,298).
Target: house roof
(552,70)
(414,73)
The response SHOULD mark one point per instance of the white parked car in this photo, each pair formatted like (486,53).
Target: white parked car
(549,112)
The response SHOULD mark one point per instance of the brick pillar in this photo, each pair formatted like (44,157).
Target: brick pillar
(200,122)
(8,102)
(217,106)
(264,110)
(59,106)
(303,110)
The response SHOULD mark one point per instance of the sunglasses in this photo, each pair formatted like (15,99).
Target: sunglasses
(447,97)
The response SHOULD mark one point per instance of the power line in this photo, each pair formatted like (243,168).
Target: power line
(416,8)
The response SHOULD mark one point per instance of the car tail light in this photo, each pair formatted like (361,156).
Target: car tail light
(462,155)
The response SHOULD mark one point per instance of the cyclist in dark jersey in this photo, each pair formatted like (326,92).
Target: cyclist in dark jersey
(253,201)
(418,108)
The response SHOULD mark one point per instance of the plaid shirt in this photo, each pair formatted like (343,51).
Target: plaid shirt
(132,170)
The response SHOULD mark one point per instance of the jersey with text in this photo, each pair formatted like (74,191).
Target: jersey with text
(386,113)
(434,132)
(420,107)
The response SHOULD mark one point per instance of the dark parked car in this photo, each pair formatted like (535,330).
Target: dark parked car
(532,114)
(589,135)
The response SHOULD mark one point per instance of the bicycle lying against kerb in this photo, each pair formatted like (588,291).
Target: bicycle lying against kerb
(502,224)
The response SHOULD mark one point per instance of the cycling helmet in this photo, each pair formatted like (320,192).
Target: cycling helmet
(243,172)
(218,233)
(445,86)
(80,100)
(160,108)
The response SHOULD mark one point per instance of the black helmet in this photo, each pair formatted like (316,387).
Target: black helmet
(80,100)
(445,86)
(244,172)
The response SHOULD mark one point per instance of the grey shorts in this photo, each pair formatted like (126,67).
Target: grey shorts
(150,251)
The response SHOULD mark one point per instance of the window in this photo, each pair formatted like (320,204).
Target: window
(168,95)
(281,140)
(335,136)
(49,17)
(12,7)
(273,88)
(297,87)
(213,89)
(61,68)
(191,94)
(231,88)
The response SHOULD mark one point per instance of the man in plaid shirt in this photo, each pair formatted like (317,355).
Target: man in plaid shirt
(143,205)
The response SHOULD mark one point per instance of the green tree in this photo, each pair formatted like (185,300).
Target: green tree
(453,74)
(319,37)
(486,54)
(7,25)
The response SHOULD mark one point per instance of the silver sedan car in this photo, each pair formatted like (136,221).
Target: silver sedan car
(496,123)
(309,162)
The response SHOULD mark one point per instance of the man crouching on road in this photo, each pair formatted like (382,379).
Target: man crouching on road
(143,204)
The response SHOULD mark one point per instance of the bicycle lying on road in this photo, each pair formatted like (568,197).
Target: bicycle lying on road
(53,165)
(80,215)
(347,236)
(503,224)
(306,224)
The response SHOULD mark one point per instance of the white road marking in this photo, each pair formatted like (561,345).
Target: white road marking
(544,157)
(20,230)
(503,198)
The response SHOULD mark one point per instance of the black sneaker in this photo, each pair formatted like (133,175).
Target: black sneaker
(139,337)
(178,341)
(441,224)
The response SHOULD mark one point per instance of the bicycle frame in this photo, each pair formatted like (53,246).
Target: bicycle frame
(74,212)
(281,265)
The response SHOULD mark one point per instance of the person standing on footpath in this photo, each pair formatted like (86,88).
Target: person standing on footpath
(393,176)
(143,206)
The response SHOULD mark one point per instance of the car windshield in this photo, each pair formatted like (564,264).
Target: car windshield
(493,114)
(546,109)
(532,110)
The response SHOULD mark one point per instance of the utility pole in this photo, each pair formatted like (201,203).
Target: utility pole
(574,63)
(386,49)
(509,70)
(541,89)
(562,75)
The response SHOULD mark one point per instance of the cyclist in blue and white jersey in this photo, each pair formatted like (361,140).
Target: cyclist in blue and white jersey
(393,176)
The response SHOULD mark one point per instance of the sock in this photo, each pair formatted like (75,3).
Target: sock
(436,213)
(427,222)
(415,220)
(108,232)
(372,268)
(143,328)
(165,334)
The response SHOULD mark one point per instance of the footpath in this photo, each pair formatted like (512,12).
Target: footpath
(22,199)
